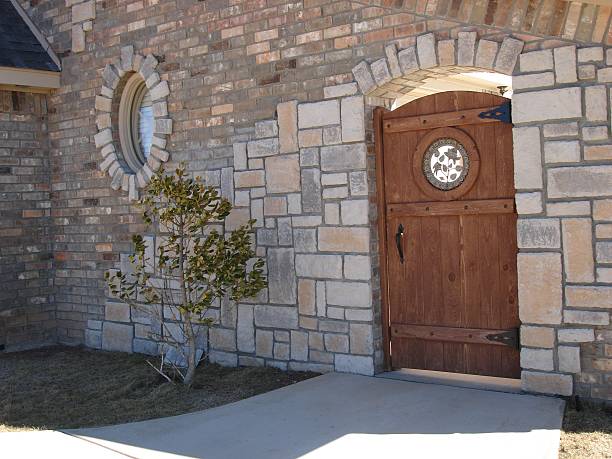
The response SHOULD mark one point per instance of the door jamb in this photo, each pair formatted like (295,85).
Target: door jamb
(382,235)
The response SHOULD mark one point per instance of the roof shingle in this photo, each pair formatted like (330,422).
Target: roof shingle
(19,47)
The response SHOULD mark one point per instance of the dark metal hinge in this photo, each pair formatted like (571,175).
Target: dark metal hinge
(502,113)
(510,338)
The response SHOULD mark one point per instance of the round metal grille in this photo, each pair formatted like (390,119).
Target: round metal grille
(446,164)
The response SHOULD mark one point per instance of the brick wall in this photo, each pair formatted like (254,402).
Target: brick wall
(228,66)
(26,308)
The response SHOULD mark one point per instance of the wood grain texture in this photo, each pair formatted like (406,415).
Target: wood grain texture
(459,271)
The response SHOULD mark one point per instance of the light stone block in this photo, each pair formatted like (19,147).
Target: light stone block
(282,284)
(299,345)
(596,103)
(579,182)
(565,64)
(310,138)
(117,337)
(78,39)
(598,152)
(537,359)
(287,126)
(562,151)
(270,316)
(571,208)
(426,50)
(539,233)
(546,383)
(539,288)
(568,129)
(354,212)
(357,267)
(346,363)
(319,266)
(446,52)
(528,203)
(408,60)
(222,339)
(353,122)
(332,213)
(83,11)
(576,335)
(349,294)
(586,317)
(591,297)
(546,105)
(533,80)
(311,190)
(116,312)
(536,61)
(485,54)
(339,239)
(592,54)
(262,148)
(318,114)
(283,174)
(527,158)
(578,250)
(245,329)
(306,296)
(364,77)
(360,339)
(336,343)
(380,72)
(340,90)
(508,54)
(466,44)
(569,359)
(393,61)
(543,337)
(602,210)
(249,179)
(343,157)
(264,343)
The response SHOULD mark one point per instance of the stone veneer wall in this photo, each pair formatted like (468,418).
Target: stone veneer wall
(228,66)
(27,313)
(562,151)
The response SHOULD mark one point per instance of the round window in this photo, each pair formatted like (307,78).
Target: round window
(136,122)
(446,164)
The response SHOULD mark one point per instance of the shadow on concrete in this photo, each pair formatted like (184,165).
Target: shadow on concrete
(339,415)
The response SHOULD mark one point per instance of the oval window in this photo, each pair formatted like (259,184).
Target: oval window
(136,122)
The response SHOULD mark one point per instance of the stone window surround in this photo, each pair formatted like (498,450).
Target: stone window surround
(114,163)
(551,339)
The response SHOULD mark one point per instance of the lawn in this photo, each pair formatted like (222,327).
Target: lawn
(63,387)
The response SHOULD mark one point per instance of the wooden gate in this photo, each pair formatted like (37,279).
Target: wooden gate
(448,235)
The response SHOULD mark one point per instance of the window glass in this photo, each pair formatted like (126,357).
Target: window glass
(145,124)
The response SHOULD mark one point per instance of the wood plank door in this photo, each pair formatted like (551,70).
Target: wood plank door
(448,236)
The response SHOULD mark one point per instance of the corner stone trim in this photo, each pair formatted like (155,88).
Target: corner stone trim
(122,177)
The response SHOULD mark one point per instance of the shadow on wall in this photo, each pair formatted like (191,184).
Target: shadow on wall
(340,415)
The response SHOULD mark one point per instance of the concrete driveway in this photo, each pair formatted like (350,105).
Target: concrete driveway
(331,416)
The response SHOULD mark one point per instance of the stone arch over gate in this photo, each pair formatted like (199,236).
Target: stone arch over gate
(561,143)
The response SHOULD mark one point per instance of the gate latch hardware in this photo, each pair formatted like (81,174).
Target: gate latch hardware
(501,113)
(509,338)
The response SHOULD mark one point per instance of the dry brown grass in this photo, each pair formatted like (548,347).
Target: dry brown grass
(63,387)
(587,434)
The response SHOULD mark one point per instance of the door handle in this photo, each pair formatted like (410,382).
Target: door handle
(399,236)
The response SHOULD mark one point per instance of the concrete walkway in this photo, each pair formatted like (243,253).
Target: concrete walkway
(332,416)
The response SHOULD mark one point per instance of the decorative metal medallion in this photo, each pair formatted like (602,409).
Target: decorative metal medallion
(446,164)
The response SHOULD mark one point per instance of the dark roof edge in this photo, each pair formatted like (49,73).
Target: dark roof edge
(39,36)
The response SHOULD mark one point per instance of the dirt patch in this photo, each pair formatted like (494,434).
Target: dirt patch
(62,387)
(587,434)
